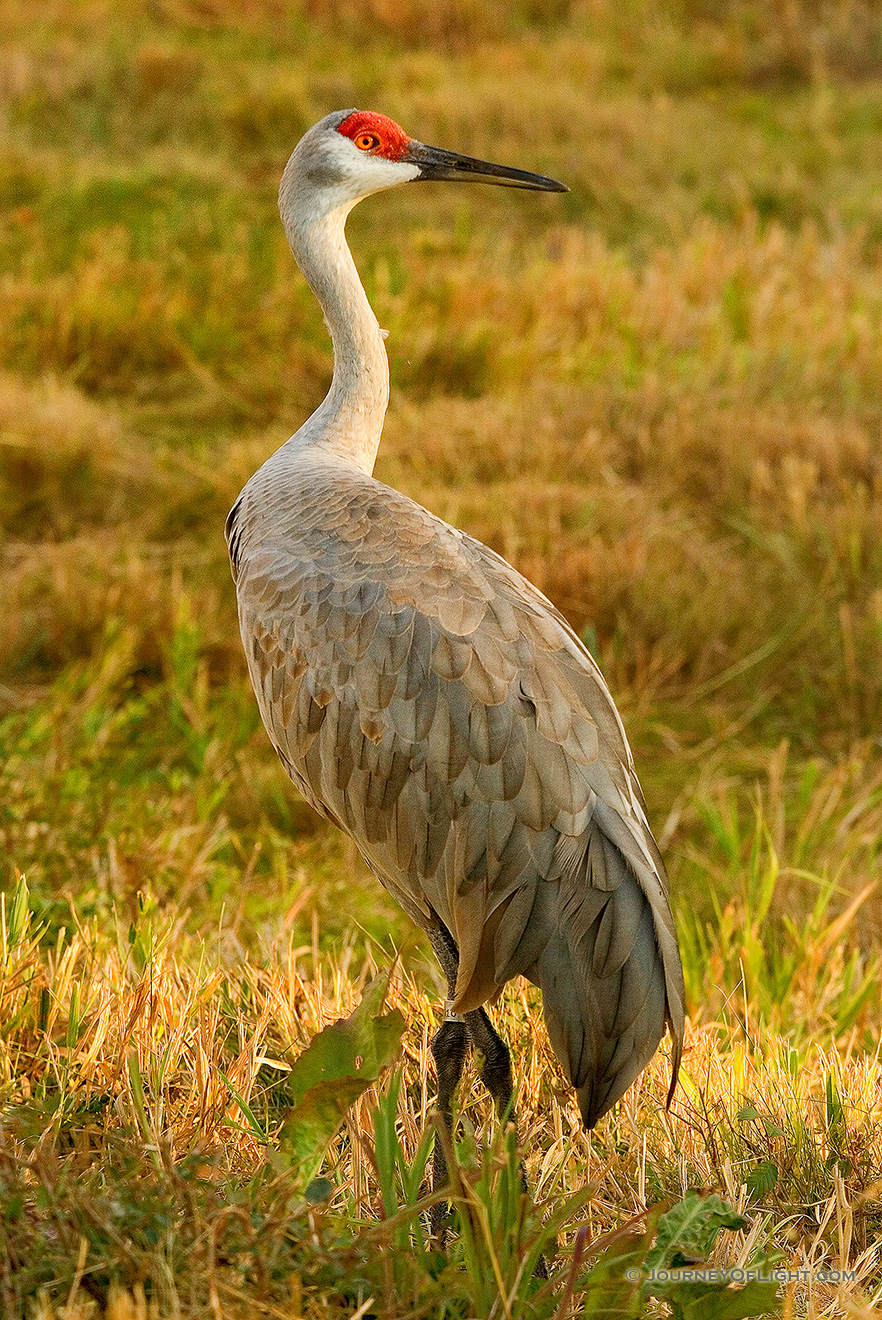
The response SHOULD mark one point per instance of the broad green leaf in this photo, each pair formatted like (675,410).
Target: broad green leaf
(689,1229)
(762,1178)
(361,1045)
(309,1127)
(333,1071)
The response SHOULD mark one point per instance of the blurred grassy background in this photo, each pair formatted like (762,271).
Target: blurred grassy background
(659,396)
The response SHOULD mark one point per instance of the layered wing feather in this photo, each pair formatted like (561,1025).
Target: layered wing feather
(429,700)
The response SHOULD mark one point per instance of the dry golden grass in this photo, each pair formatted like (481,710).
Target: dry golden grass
(658,396)
(127,1041)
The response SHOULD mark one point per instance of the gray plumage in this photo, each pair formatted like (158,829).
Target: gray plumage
(430,701)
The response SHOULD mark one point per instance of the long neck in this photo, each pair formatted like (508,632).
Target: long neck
(349,422)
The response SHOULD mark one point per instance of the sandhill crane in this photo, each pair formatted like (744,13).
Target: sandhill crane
(434,705)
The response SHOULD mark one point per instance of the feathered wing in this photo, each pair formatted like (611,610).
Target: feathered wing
(430,701)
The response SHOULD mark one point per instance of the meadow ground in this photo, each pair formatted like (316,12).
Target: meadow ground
(659,396)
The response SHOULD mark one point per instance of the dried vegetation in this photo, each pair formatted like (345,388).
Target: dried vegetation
(659,396)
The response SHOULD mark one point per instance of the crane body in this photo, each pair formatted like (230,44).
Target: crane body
(432,703)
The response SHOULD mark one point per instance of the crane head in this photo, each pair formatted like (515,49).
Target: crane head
(352,153)
(376,135)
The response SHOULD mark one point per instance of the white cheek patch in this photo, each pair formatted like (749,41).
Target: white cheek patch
(375,172)
(365,172)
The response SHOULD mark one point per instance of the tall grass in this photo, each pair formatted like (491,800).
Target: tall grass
(659,397)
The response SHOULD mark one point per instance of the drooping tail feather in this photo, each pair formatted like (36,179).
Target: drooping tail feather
(609,974)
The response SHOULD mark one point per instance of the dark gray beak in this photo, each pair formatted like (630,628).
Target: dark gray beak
(436,163)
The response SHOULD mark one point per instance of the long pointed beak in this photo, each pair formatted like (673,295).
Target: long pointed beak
(436,163)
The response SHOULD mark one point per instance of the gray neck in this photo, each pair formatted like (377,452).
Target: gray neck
(349,422)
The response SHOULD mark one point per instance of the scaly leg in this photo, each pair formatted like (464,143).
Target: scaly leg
(449,1050)
(496,1069)
(496,1076)
(448,1047)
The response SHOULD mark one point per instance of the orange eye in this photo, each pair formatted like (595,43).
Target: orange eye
(366,141)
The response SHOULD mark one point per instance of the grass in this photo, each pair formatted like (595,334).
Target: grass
(659,397)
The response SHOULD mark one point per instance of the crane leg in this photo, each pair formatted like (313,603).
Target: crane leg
(448,1048)
(496,1069)
(496,1076)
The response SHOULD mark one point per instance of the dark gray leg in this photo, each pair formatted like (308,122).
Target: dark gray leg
(448,1047)
(496,1069)
(449,1050)
(496,1076)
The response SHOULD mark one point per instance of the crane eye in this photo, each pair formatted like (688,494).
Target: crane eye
(366,141)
